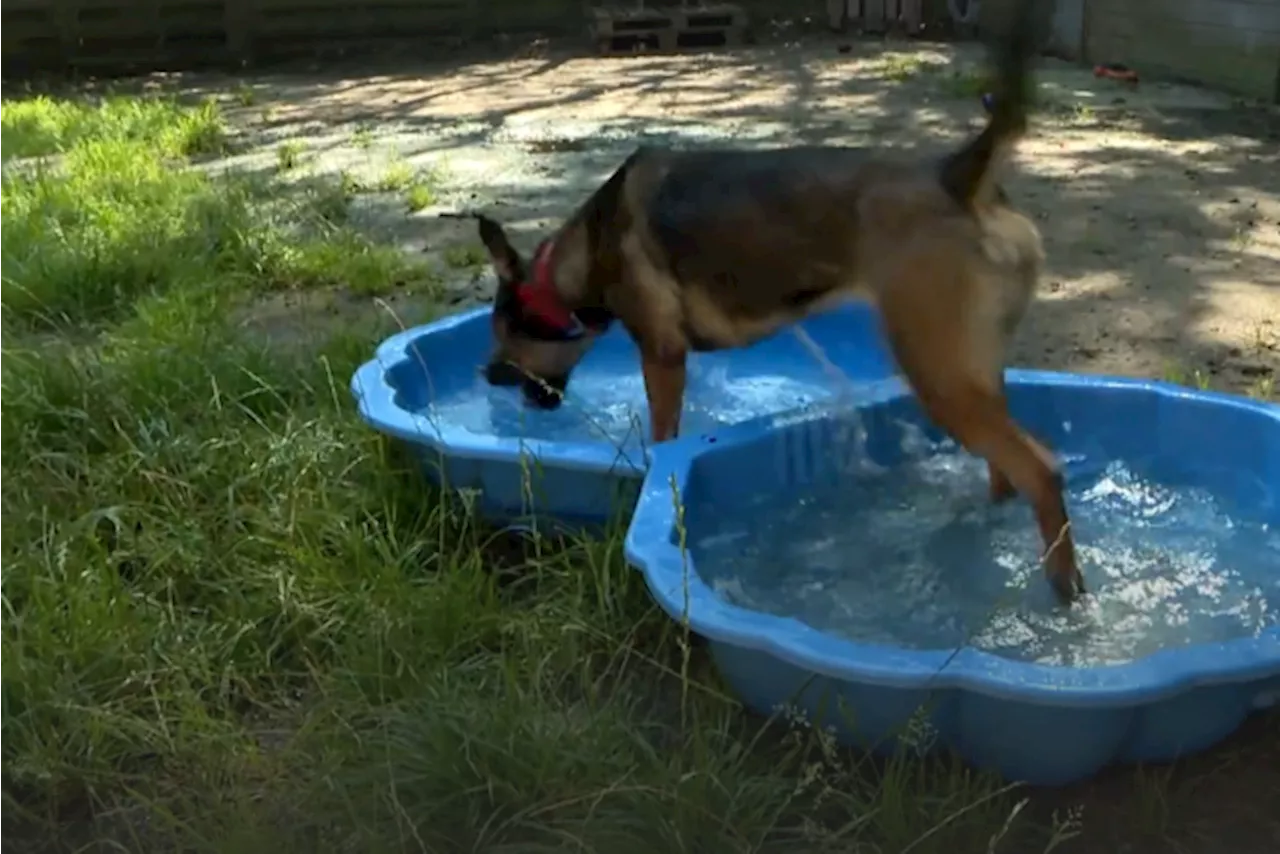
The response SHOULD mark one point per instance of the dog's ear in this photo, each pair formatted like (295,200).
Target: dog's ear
(506,261)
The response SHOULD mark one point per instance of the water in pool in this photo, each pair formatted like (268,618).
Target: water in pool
(918,557)
(609,405)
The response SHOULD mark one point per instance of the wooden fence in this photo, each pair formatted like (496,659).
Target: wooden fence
(1234,44)
(150,34)
(49,34)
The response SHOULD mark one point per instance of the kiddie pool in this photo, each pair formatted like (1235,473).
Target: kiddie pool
(1031,722)
(518,465)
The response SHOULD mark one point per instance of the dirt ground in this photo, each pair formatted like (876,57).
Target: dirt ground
(1160,204)
(1160,208)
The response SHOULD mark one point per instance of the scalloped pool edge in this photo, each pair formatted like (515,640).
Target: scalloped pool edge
(1090,712)
(376,403)
(525,483)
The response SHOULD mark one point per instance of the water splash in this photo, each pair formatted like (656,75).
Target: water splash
(609,405)
(918,557)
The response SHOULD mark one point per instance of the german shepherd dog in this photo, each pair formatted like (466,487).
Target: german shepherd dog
(695,251)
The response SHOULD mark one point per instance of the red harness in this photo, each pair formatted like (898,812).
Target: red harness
(539,297)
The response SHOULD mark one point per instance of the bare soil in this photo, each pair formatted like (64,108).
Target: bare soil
(1160,204)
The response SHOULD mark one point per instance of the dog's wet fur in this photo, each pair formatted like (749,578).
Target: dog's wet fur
(708,250)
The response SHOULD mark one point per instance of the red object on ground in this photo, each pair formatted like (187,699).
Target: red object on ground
(1115,71)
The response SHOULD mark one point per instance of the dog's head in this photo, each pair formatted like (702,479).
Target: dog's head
(538,340)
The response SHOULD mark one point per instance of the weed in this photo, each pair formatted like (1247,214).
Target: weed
(1197,378)
(348,184)
(1241,237)
(362,137)
(419,195)
(1263,388)
(398,178)
(1083,114)
(289,155)
(966,83)
(416,187)
(901,67)
(466,257)
(244,94)
(42,125)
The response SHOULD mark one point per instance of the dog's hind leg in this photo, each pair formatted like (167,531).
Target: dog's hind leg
(1002,488)
(947,343)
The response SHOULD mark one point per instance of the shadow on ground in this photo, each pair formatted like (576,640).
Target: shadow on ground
(1160,209)
(1160,206)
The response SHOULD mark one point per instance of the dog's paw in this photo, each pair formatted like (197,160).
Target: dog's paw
(1001,487)
(1068,585)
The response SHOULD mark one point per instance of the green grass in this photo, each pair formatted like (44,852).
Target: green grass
(899,67)
(965,83)
(1190,377)
(235,620)
(468,256)
(289,155)
(419,195)
(43,125)
(113,222)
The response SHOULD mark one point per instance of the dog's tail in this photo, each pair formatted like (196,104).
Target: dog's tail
(966,174)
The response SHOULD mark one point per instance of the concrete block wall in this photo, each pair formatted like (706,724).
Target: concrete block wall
(1228,44)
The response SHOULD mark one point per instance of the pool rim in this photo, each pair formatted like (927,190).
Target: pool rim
(673,581)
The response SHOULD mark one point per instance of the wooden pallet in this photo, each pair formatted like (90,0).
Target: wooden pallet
(876,16)
(666,29)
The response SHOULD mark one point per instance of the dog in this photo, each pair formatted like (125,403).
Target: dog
(693,251)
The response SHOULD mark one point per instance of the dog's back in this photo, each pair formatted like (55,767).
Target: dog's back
(757,239)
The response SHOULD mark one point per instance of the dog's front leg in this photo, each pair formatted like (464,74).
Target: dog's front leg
(664,381)
(1002,488)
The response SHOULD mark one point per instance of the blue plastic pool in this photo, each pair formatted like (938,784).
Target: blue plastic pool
(1038,722)
(582,464)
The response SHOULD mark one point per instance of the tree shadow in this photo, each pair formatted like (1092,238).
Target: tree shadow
(1159,206)
(1161,220)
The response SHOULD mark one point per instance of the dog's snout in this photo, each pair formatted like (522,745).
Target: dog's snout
(502,374)
(541,392)
(545,393)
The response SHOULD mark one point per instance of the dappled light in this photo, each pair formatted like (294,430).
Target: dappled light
(236,620)
(1149,199)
